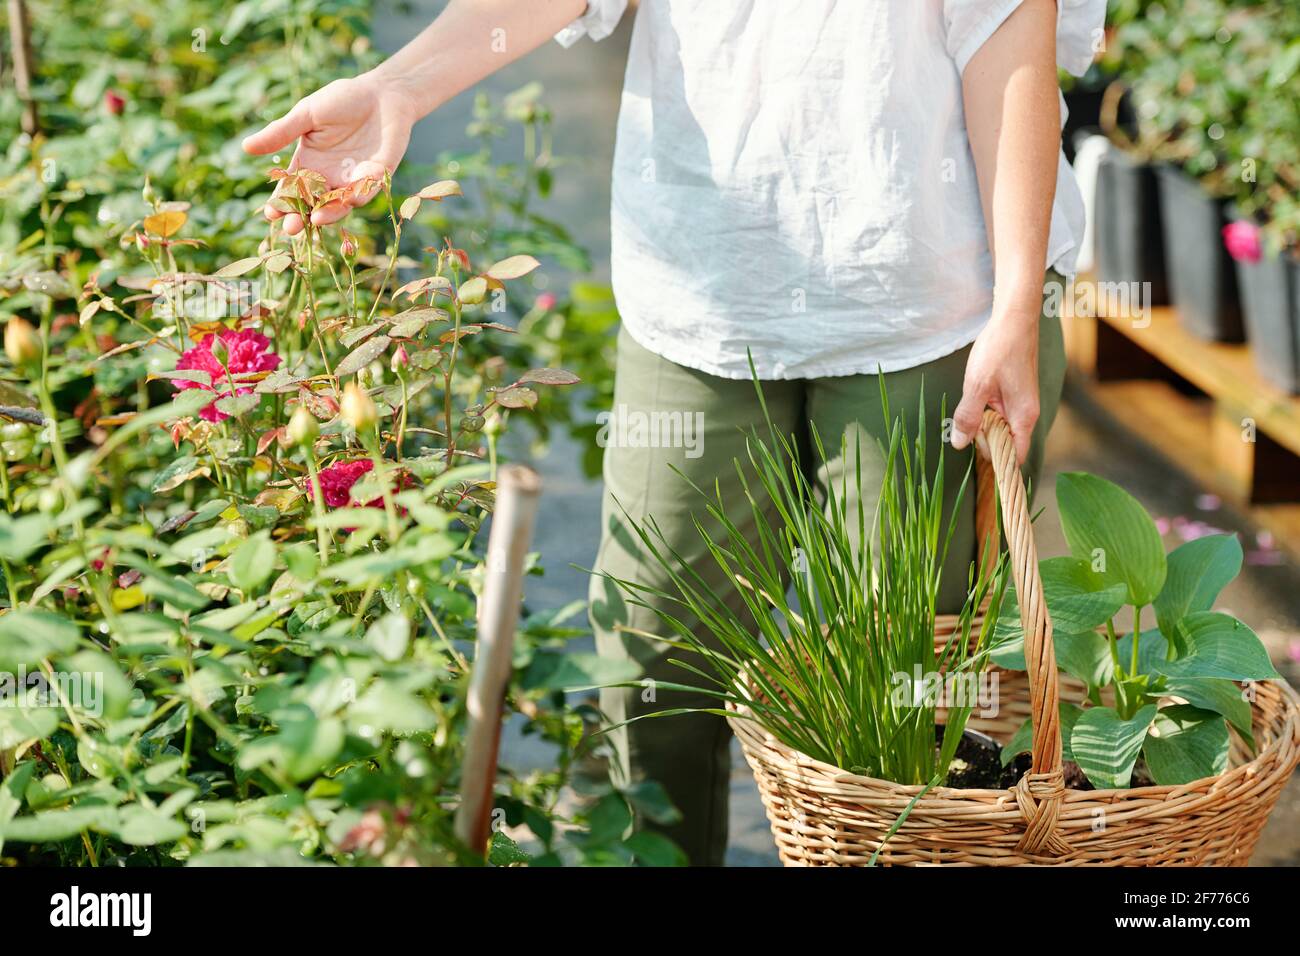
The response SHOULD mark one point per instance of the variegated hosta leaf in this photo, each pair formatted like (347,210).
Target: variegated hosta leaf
(1186,743)
(1106,746)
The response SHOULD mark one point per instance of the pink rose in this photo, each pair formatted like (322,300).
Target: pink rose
(1242,241)
(368,834)
(243,352)
(337,480)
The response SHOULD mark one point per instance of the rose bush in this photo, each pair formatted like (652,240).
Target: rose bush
(124,90)
(110,116)
(241,546)
(228,672)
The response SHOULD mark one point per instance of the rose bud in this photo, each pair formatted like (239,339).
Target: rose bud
(348,247)
(303,429)
(114,102)
(457,259)
(400,359)
(545,302)
(358,409)
(22,342)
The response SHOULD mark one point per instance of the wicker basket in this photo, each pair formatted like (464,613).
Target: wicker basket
(823,816)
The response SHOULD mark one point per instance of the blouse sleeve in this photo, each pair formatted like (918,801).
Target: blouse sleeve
(1079,29)
(597,22)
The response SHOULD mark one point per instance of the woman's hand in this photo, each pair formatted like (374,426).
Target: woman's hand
(1002,374)
(348,130)
(359,128)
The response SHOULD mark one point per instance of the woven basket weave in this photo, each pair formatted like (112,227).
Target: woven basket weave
(824,816)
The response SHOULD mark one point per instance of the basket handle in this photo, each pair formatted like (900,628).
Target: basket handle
(1040,792)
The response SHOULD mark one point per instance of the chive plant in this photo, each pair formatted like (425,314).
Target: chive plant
(837,608)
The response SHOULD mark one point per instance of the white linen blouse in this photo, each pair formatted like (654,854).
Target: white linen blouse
(793,177)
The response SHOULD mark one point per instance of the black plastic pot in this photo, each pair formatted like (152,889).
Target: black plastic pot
(1083,108)
(1202,276)
(1129,237)
(1270,305)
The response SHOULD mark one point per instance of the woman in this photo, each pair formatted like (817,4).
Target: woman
(839,188)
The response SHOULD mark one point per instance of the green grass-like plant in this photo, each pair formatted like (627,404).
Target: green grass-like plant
(837,608)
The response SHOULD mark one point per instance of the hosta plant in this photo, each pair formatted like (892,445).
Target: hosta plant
(240,546)
(1171,686)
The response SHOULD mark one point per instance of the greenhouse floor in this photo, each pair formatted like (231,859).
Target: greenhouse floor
(1265,595)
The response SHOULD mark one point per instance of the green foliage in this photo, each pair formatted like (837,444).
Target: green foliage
(848,671)
(1105,744)
(244,656)
(1175,688)
(1213,87)
(1107,527)
(242,572)
(126,90)
(110,117)
(574,328)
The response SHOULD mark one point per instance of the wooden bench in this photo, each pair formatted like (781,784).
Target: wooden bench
(1201,405)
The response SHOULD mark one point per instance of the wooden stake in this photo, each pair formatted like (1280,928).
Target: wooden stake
(20,41)
(518,489)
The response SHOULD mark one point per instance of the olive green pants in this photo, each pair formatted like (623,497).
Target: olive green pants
(705,418)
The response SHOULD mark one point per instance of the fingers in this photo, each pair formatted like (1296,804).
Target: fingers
(1022,418)
(968,417)
(280,133)
(333,212)
(292,221)
(329,213)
